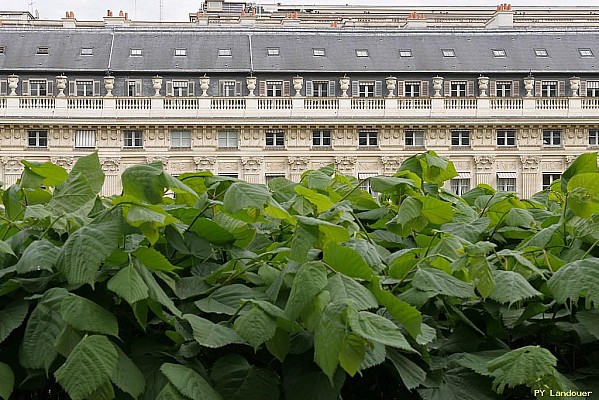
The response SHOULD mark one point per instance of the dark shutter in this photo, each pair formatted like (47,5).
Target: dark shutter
(516,89)
(538,88)
(3,87)
(191,88)
(355,88)
(96,88)
(50,88)
(401,88)
(378,89)
(424,91)
(447,88)
(169,88)
(286,89)
(470,88)
(262,88)
(583,89)
(493,89)
(25,88)
(332,88)
(138,88)
(72,89)
(309,89)
(238,89)
(561,88)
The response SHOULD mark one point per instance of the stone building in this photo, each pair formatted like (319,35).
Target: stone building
(261,91)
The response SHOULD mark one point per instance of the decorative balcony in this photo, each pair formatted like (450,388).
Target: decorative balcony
(157,107)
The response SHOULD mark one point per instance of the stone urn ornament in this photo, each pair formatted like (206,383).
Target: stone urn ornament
(157,85)
(391,85)
(108,85)
(575,86)
(483,86)
(61,85)
(250,81)
(344,85)
(437,86)
(204,85)
(298,83)
(529,85)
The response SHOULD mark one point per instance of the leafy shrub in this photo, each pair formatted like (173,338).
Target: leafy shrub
(311,290)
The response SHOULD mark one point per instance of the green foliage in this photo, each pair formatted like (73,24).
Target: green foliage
(309,290)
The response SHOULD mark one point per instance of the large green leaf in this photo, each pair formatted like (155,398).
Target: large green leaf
(406,314)
(90,167)
(170,392)
(343,288)
(12,317)
(235,379)
(129,285)
(526,365)
(226,299)
(87,316)
(72,195)
(127,376)
(189,382)
(482,274)
(511,287)
(243,195)
(576,279)
(50,174)
(435,210)
(347,261)
(7,381)
(459,384)
(328,338)
(302,380)
(434,280)
(322,202)
(310,279)
(155,291)
(89,366)
(86,249)
(585,163)
(255,326)
(380,329)
(410,373)
(212,335)
(39,255)
(145,182)
(153,259)
(212,231)
(352,353)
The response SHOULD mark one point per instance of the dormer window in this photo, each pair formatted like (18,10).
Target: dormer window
(405,53)
(224,52)
(448,52)
(318,52)
(273,52)
(135,53)
(499,53)
(361,53)
(42,50)
(87,51)
(180,52)
(2,49)
(541,53)
(586,53)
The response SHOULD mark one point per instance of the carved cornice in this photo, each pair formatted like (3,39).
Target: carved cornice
(391,163)
(299,163)
(530,163)
(110,164)
(12,164)
(162,159)
(484,162)
(345,163)
(204,163)
(252,164)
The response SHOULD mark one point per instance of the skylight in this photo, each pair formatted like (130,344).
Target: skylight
(42,50)
(87,51)
(448,52)
(273,51)
(180,52)
(499,53)
(405,53)
(224,52)
(588,53)
(361,53)
(318,52)
(541,53)
(135,53)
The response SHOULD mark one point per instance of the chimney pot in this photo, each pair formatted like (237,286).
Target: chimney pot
(67,14)
(127,16)
(121,13)
(71,14)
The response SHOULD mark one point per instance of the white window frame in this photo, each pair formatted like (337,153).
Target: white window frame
(460,184)
(181,52)
(37,138)
(368,138)
(413,89)
(551,177)
(180,88)
(322,138)
(362,53)
(228,139)
(320,89)
(458,88)
(404,53)
(592,88)
(229,88)
(448,53)
(133,84)
(85,85)
(274,138)
(133,139)
(594,137)
(273,51)
(85,139)
(225,53)
(36,86)
(366,89)
(506,137)
(505,183)
(460,138)
(414,138)
(274,88)
(136,52)
(549,88)
(181,139)
(552,137)
(504,88)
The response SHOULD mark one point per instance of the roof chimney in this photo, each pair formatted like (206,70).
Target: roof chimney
(69,20)
(416,20)
(110,20)
(109,13)
(503,17)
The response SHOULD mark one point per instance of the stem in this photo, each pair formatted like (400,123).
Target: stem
(590,249)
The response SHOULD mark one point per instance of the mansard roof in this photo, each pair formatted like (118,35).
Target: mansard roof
(249,49)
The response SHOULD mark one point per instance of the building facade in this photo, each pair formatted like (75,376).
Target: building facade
(256,92)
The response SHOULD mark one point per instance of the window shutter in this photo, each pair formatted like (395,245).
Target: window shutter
(516,89)
(470,88)
(493,89)
(286,88)
(262,88)
(3,87)
(138,91)
(191,86)
(538,88)
(378,89)
(72,89)
(447,88)
(355,88)
(561,88)
(96,88)
(221,89)
(169,88)
(332,89)
(424,91)
(238,89)
(50,88)
(309,89)
(401,88)
(25,88)
(126,87)
(583,89)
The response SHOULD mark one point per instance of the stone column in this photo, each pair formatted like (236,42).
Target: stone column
(484,169)
(530,175)
(297,166)
(252,169)
(112,170)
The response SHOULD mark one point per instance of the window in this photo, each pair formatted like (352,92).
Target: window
(361,53)
(229,175)
(228,139)
(274,88)
(414,139)
(275,139)
(135,53)
(273,52)
(38,87)
(87,51)
(458,88)
(405,53)
(181,139)
(84,88)
(586,53)
(412,89)
(318,52)
(461,184)
(506,181)
(503,89)
(268,178)
(226,52)
(368,138)
(2,49)
(320,88)
(552,137)
(180,88)
(133,139)
(549,178)
(366,89)
(365,182)
(460,137)
(133,87)
(37,139)
(593,137)
(180,52)
(541,53)
(592,88)
(448,52)
(321,138)
(43,50)
(506,137)
(85,139)
(499,53)
(549,89)
(228,88)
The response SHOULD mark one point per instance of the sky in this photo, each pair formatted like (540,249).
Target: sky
(178,10)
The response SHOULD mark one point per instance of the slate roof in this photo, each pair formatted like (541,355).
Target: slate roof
(473,50)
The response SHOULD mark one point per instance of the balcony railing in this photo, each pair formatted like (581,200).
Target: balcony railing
(301,107)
